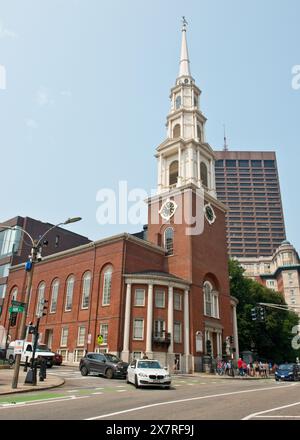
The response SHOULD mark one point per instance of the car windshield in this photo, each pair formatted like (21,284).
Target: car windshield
(288,367)
(112,358)
(42,348)
(148,364)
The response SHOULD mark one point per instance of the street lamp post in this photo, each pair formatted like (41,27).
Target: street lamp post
(29,269)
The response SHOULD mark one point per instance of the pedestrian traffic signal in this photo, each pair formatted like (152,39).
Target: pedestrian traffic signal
(231,339)
(253,314)
(31,329)
(13,319)
(44,307)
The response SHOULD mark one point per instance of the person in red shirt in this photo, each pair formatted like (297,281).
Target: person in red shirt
(240,366)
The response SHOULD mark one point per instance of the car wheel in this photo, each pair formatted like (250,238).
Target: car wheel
(127,381)
(167,387)
(50,366)
(109,374)
(84,371)
(136,382)
(11,360)
(277,380)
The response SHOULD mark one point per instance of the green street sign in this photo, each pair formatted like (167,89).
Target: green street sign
(16,309)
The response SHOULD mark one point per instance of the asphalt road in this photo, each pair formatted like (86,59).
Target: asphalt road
(191,398)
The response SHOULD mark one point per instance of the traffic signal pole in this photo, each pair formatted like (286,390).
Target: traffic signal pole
(22,328)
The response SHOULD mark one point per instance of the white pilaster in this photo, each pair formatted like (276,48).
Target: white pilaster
(179,181)
(198,167)
(171,318)
(186,323)
(235,334)
(125,352)
(149,320)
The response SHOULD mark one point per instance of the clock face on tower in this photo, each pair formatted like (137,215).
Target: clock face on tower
(168,209)
(209,213)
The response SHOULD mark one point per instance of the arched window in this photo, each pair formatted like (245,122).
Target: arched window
(54,295)
(69,293)
(176,131)
(86,290)
(199,133)
(169,241)
(173,173)
(107,276)
(14,293)
(211,300)
(178,102)
(41,297)
(203,174)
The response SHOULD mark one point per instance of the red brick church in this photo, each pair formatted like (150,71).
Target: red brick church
(165,293)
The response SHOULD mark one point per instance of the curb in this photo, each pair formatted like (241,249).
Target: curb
(62,382)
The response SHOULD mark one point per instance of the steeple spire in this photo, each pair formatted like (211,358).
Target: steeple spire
(184,66)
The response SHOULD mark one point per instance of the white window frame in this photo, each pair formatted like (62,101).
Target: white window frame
(136,355)
(135,297)
(40,296)
(177,332)
(69,293)
(54,295)
(81,336)
(86,289)
(64,336)
(169,246)
(163,296)
(176,305)
(107,280)
(78,354)
(207,295)
(159,327)
(104,332)
(135,328)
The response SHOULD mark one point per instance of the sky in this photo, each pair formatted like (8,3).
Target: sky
(84,95)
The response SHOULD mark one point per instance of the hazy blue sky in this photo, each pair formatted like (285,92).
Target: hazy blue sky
(88,87)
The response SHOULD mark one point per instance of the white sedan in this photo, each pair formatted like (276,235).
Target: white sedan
(148,373)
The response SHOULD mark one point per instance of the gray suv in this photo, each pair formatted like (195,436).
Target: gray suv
(106,364)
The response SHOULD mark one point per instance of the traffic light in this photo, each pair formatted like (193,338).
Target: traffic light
(231,339)
(208,347)
(13,319)
(262,313)
(253,314)
(42,308)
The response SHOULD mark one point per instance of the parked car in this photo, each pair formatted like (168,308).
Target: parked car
(57,359)
(287,372)
(106,364)
(41,350)
(148,373)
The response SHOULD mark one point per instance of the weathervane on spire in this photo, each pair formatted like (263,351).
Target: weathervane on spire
(184,23)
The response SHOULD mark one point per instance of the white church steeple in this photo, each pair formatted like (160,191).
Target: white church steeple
(185,158)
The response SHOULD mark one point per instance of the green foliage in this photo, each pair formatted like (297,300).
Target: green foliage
(270,339)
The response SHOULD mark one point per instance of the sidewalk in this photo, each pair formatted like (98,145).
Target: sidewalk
(6,376)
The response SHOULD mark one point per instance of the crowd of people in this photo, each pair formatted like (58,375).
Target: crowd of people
(242,368)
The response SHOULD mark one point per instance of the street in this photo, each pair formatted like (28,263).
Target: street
(190,398)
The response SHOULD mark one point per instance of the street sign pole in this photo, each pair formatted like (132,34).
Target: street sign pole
(22,331)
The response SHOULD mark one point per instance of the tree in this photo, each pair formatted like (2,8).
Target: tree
(272,338)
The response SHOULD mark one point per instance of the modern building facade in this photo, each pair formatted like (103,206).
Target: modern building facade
(163,292)
(248,183)
(279,272)
(15,246)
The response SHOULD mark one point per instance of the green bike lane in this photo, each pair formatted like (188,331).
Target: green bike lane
(72,391)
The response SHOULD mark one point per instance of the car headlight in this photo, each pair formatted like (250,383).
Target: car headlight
(143,375)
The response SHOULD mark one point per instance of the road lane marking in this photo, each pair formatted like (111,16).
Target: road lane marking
(97,393)
(172,402)
(41,402)
(270,410)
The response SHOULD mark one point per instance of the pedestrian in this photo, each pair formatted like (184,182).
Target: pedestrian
(240,366)
(256,369)
(145,356)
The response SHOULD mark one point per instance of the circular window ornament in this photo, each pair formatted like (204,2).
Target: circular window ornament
(209,214)
(168,209)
